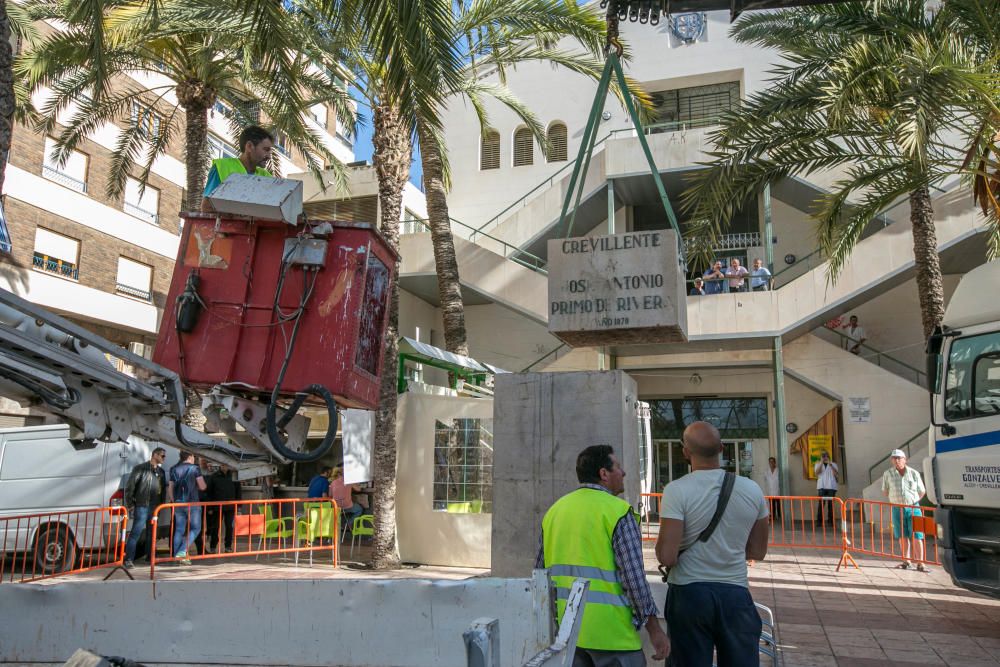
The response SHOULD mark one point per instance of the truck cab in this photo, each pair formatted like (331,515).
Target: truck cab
(963,469)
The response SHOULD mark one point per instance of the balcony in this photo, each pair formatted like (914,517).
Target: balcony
(134,292)
(56,266)
(64,179)
(141,213)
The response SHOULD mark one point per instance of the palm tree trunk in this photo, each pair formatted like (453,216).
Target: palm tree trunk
(449,286)
(391,140)
(925,254)
(6,90)
(196,99)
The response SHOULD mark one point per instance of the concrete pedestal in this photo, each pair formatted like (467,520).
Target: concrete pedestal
(541,423)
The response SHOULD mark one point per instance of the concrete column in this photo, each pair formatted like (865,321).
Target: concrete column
(768,230)
(780,436)
(611,206)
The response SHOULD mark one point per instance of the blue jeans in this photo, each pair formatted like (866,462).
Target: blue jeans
(706,615)
(140,522)
(184,538)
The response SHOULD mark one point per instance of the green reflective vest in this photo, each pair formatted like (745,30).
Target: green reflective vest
(231,165)
(577,532)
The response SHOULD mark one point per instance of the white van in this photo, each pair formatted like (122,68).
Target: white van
(43,472)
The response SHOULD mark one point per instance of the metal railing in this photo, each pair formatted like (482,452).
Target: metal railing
(64,179)
(509,251)
(128,290)
(553,351)
(922,433)
(57,266)
(141,213)
(53,544)
(240,528)
(879,358)
(737,241)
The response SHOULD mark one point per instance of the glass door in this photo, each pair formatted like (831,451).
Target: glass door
(737,457)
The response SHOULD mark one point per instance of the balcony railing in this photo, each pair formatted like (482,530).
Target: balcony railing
(141,213)
(64,179)
(56,266)
(739,241)
(135,292)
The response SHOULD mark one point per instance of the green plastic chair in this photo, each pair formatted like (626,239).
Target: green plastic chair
(363,525)
(280,528)
(317,522)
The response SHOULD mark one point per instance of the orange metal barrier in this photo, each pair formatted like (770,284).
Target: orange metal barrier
(42,546)
(295,525)
(649,514)
(890,530)
(810,522)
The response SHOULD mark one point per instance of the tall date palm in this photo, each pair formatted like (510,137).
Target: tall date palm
(885,91)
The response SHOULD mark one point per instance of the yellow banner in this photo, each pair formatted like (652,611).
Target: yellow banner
(817,445)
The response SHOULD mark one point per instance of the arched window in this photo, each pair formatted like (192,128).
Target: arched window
(524,149)
(489,150)
(557,142)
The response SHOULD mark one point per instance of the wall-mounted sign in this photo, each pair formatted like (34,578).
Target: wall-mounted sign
(623,289)
(817,445)
(859,409)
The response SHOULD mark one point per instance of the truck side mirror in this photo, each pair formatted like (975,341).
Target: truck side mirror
(933,358)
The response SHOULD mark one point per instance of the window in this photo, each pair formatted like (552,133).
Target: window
(217,148)
(557,142)
(281,143)
(134,279)
(318,113)
(972,383)
(144,206)
(463,466)
(5,245)
(523,147)
(411,224)
(736,418)
(489,150)
(56,253)
(73,174)
(696,105)
(149,121)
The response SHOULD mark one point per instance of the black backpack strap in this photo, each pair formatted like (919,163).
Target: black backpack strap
(728,482)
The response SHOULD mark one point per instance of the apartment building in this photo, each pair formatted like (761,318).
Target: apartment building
(106,263)
(506,199)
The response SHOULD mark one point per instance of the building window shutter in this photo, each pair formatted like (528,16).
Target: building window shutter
(523,147)
(557,142)
(489,153)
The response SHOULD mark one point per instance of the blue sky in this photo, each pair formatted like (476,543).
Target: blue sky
(363,148)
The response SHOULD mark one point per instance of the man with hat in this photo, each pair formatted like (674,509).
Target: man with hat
(903,486)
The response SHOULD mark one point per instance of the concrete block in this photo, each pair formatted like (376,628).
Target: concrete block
(541,423)
(617,290)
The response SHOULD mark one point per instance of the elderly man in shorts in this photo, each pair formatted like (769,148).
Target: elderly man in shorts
(903,485)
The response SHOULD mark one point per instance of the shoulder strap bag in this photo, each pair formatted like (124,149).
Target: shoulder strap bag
(728,482)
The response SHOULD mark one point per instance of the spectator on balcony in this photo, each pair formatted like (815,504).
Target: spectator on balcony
(714,278)
(760,278)
(736,275)
(855,333)
(699,287)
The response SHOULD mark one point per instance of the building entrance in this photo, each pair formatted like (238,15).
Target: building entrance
(669,462)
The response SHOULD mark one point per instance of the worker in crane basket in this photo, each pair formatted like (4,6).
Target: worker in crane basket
(255,152)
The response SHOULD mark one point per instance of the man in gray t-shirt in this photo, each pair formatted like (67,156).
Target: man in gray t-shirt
(709,607)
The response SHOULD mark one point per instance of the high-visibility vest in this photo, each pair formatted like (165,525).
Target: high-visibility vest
(227,166)
(577,532)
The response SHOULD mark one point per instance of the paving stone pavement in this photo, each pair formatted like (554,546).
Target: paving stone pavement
(876,615)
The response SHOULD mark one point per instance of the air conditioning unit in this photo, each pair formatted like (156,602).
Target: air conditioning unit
(141,350)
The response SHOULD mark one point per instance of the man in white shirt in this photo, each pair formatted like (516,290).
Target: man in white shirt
(771,487)
(903,485)
(826,486)
(709,607)
(856,333)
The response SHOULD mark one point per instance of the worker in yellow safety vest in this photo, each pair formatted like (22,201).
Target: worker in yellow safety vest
(593,534)
(255,152)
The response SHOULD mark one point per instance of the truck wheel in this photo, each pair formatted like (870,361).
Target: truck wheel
(55,549)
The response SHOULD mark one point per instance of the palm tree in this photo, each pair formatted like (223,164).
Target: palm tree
(14,102)
(496,35)
(108,41)
(880,89)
